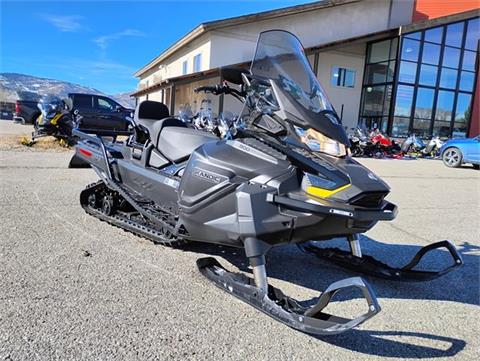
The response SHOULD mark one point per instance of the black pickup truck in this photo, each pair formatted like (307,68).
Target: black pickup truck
(94,112)
(26,111)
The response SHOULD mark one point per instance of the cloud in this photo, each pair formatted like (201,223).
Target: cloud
(103,41)
(64,23)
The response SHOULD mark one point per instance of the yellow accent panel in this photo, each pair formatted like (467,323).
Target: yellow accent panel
(55,119)
(40,119)
(325,193)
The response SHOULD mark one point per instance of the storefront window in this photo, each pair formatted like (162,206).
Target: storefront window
(444,105)
(378,83)
(431,53)
(379,51)
(408,72)
(400,126)
(403,105)
(448,79)
(436,80)
(454,34)
(410,49)
(434,35)
(468,60)
(424,103)
(473,34)
(466,81)
(462,113)
(428,75)
(451,57)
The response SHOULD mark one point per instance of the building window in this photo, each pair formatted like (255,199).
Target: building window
(436,80)
(378,83)
(185,67)
(343,77)
(197,62)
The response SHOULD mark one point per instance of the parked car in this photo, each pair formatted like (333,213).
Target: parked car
(26,111)
(94,112)
(6,114)
(100,112)
(456,152)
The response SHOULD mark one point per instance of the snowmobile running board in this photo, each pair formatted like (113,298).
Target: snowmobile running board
(373,267)
(288,310)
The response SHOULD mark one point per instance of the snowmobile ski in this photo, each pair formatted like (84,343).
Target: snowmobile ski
(286,309)
(373,267)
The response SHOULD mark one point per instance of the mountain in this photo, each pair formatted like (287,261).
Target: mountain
(124,99)
(14,86)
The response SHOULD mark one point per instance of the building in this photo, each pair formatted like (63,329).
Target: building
(399,65)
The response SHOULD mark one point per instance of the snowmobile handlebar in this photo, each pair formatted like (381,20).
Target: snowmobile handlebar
(218,89)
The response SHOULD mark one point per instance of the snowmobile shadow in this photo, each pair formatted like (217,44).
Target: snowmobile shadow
(397,344)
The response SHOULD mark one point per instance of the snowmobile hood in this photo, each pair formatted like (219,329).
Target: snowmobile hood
(280,60)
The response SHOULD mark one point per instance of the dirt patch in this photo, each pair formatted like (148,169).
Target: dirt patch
(15,142)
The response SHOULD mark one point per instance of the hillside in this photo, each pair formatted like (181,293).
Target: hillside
(15,86)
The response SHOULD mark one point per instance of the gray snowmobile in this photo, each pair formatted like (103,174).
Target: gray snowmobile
(285,177)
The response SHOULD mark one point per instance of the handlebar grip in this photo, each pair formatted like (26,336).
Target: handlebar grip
(207,89)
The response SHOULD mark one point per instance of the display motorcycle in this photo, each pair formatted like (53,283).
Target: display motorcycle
(285,178)
(56,119)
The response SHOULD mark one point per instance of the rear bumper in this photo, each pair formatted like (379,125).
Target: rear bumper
(386,212)
(18,119)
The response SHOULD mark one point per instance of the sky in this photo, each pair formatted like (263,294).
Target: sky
(102,43)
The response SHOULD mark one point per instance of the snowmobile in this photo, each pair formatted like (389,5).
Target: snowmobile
(56,119)
(285,178)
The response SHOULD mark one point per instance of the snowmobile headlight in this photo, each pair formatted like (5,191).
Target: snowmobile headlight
(319,186)
(318,142)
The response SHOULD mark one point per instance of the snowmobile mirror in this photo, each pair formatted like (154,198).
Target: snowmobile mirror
(245,79)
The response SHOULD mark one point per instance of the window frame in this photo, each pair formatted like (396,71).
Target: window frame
(342,76)
(437,87)
(197,63)
(96,104)
(185,67)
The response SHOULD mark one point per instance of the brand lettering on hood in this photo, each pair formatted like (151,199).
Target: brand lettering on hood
(208,176)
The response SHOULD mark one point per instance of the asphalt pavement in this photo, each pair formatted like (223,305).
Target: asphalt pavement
(72,287)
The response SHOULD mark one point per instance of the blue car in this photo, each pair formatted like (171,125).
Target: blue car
(456,152)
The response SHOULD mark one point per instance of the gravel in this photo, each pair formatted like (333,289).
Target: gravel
(72,287)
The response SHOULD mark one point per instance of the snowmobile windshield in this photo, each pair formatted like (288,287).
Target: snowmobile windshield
(49,106)
(281,60)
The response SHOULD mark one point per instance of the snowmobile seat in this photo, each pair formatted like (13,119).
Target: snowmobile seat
(177,143)
(153,116)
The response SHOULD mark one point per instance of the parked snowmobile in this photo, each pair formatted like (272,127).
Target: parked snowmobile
(432,147)
(360,144)
(413,145)
(56,119)
(285,178)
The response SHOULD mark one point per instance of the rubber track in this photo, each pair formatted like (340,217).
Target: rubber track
(131,226)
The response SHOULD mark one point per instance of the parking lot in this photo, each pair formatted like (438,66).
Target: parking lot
(72,287)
